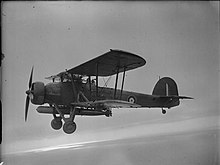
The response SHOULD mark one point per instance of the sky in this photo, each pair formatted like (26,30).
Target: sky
(177,39)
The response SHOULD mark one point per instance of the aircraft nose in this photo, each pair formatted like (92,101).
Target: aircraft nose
(28,92)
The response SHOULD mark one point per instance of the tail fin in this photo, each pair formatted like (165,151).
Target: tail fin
(166,86)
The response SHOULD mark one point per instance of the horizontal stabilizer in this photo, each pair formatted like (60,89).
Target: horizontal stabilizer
(175,97)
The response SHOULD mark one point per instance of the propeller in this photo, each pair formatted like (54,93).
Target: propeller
(29,94)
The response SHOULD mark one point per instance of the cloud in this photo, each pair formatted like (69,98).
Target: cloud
(81,140)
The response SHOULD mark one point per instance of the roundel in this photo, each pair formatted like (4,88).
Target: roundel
(131,99)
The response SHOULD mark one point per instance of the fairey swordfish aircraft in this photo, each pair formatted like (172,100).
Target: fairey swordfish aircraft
(74,92)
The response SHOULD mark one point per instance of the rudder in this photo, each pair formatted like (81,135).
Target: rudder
(166,86)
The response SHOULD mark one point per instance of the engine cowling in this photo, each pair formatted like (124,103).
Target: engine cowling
(38,90)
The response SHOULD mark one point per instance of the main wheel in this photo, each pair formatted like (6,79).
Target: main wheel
(69,127)
(56,124)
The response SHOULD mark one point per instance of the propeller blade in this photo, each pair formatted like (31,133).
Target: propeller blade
(30,80)
(29,94)
(26,107)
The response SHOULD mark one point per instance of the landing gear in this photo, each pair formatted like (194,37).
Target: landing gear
(69,124)
(164,111)
(56,123)
(108,112)
(69,127)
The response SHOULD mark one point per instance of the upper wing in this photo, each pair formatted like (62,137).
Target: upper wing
(107,104)
(108,64)
(105,65)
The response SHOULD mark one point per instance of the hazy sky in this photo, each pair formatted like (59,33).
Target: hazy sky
(177,39)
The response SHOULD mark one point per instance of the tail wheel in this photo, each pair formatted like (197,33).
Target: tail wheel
(56,124)
(69,127)
(164,111)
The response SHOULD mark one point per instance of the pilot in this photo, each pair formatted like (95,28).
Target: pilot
(92,83)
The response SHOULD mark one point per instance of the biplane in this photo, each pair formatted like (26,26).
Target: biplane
(77,92)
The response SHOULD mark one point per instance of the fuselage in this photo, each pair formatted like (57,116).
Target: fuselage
(62,93)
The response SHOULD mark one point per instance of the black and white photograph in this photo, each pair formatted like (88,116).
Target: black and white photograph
(110,82)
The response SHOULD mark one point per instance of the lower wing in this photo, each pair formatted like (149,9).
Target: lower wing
(107,104)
